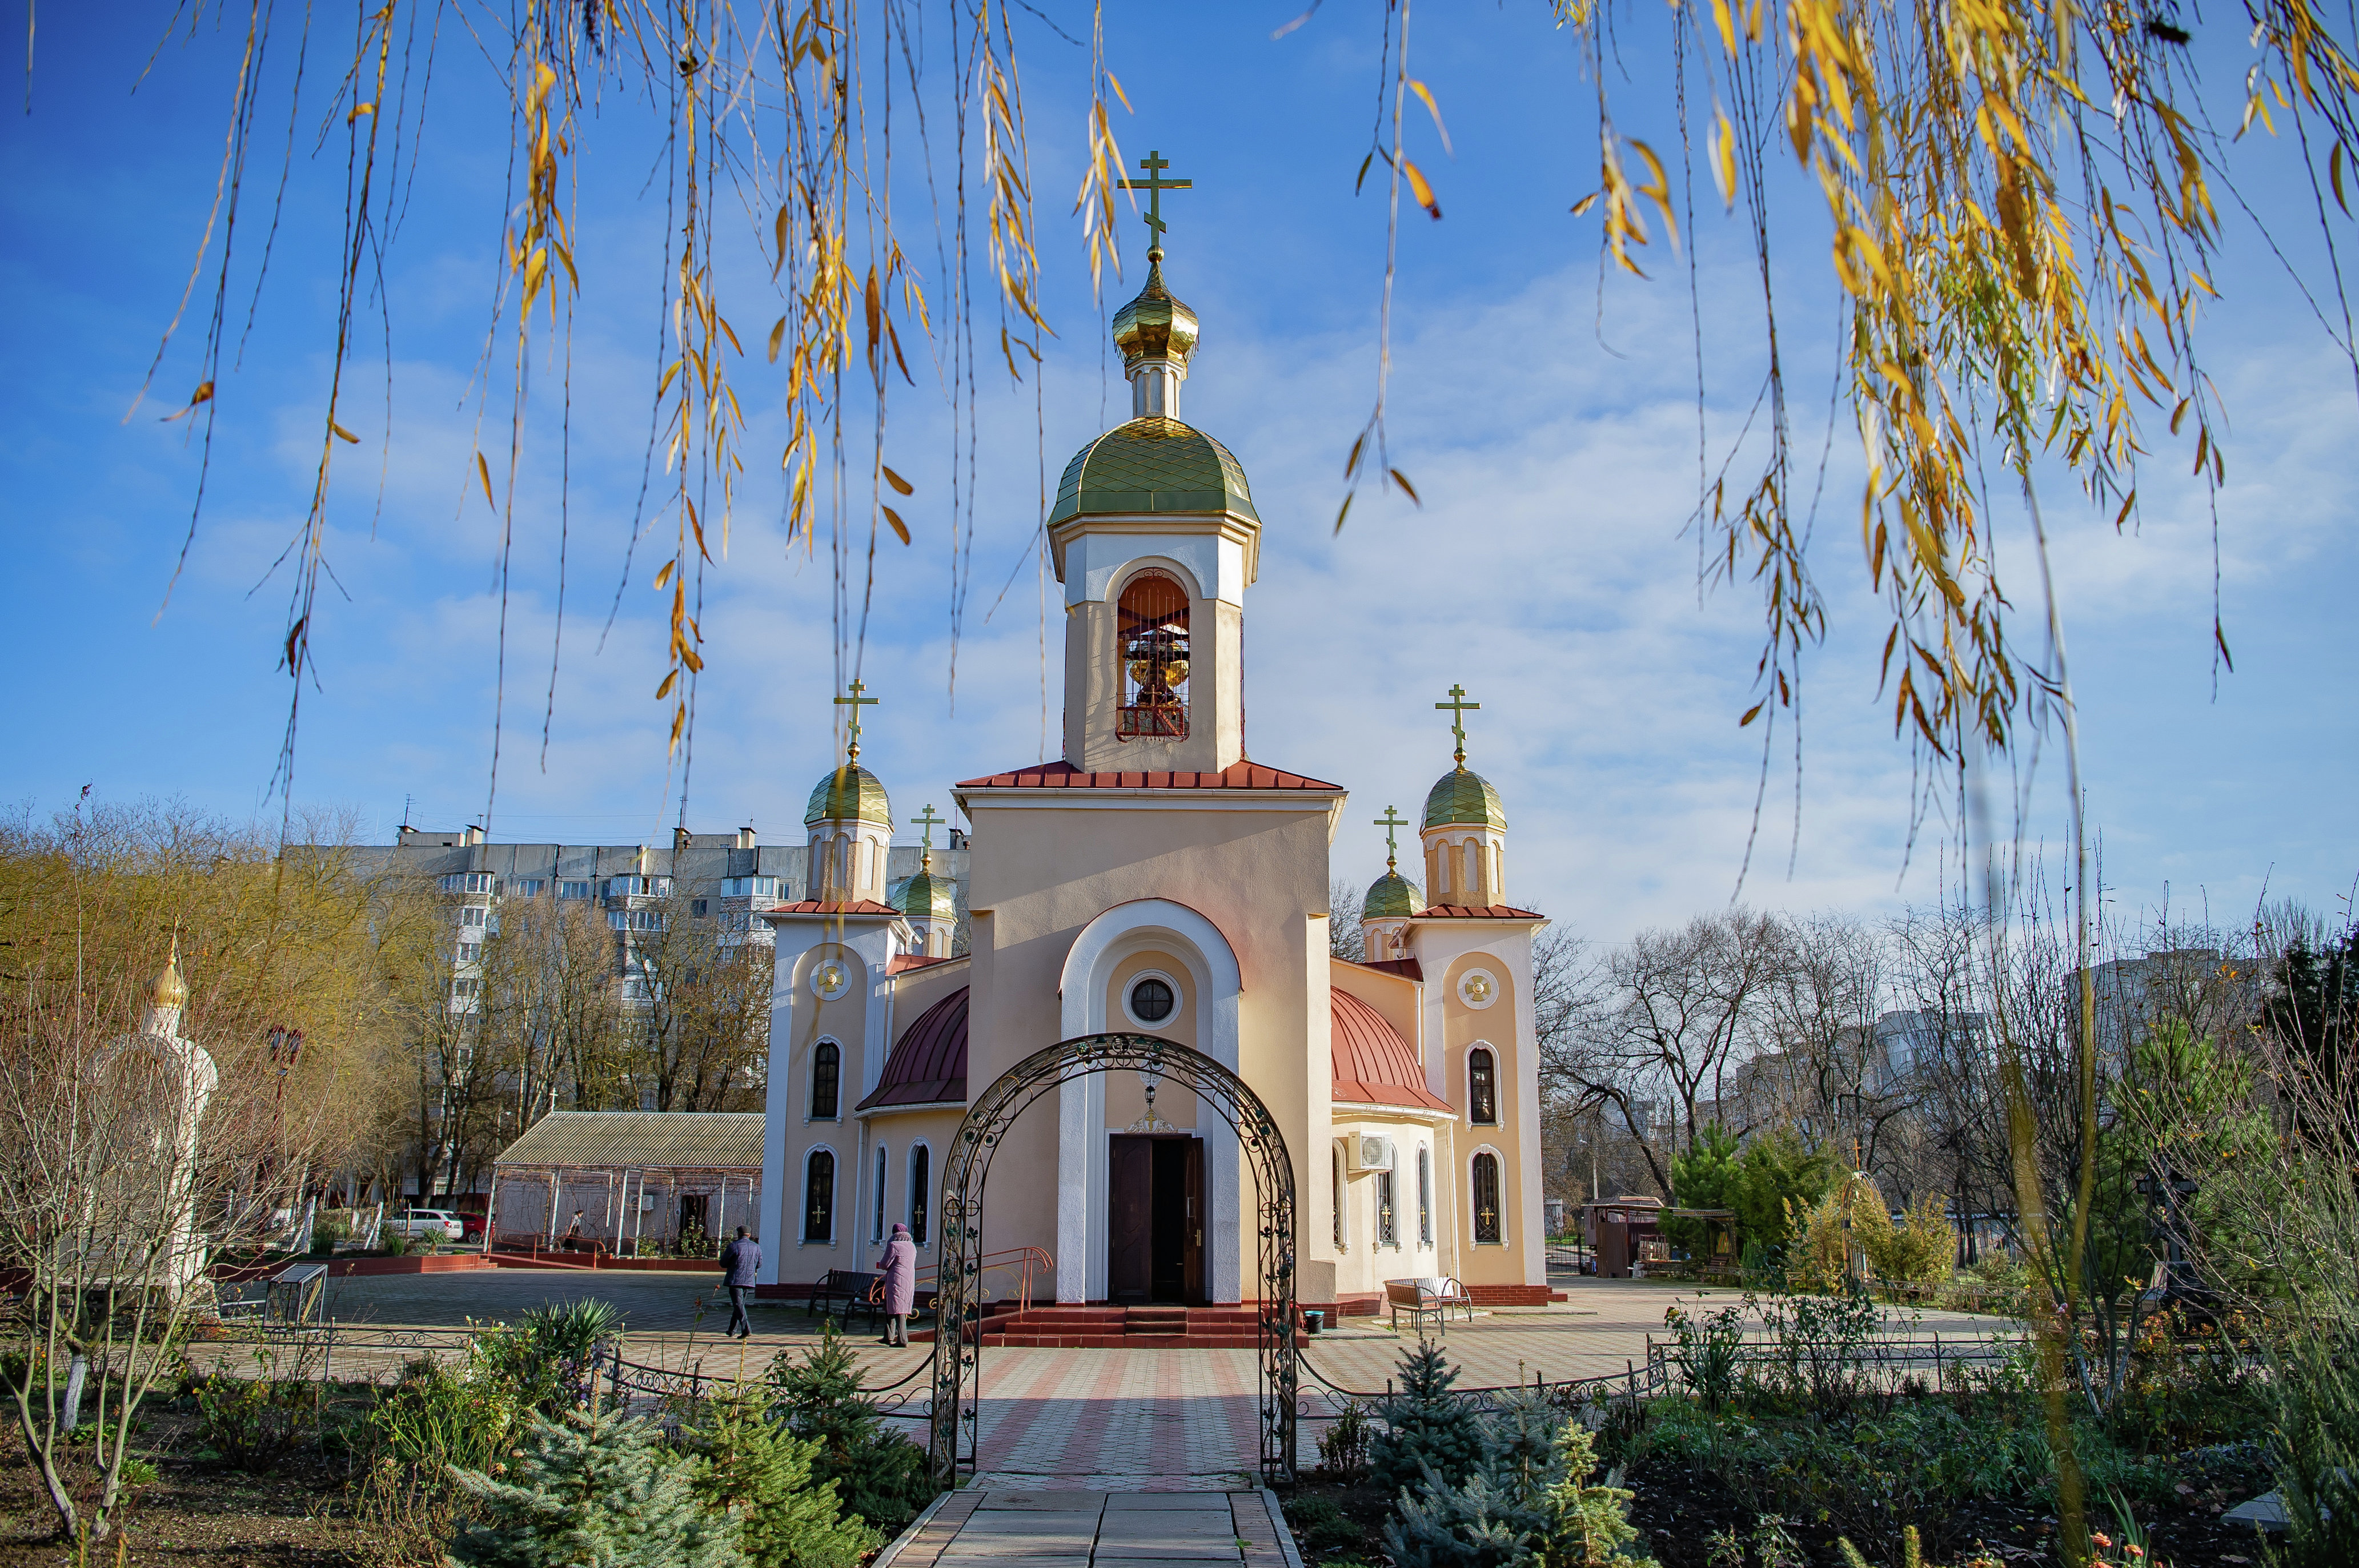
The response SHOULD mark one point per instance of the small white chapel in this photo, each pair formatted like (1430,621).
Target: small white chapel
(1155,880)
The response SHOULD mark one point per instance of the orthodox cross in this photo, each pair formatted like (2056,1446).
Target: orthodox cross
(1155,186)
(928,818)
(1459,708)
(1390,820)
(854,702)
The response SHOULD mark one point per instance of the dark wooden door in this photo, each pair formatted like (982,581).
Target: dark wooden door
(1130,1215)
(1194,1269)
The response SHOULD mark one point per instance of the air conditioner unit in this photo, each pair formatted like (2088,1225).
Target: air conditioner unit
(1368,1152)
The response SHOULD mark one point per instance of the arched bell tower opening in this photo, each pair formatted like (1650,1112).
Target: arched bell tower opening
(1151,627)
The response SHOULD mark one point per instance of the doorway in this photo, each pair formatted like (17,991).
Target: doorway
(1154,1231)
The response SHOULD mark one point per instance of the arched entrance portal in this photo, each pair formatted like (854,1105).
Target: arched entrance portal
(958,1337)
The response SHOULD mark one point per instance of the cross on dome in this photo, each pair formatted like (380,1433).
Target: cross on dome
(1390,821)
(927,820)
(1459,708)
(854,702)
(1155,186)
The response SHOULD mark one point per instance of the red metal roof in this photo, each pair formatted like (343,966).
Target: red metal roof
(1477,911)
(1372,1064)
(1064,775)
(906,961)
(814,906)
(927,1065)
(1407,969)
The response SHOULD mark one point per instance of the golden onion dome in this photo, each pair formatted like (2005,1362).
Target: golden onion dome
(851,794)
(1155,326)
(1390,897)
(1462,799)
(170,990)
(1153,464)
(928,897)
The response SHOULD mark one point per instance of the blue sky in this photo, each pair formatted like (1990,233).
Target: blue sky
(1547,417)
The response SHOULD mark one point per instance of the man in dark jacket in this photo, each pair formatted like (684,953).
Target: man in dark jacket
(741,1270)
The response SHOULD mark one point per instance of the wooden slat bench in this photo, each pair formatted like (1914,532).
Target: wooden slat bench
(1430,1297)
(858,1291)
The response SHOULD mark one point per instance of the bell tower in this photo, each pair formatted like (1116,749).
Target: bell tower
(1155,538)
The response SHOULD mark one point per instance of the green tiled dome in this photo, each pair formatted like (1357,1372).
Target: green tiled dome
(1390,897)
(928,897)
(1461,799)
(1153,464)
(851,794)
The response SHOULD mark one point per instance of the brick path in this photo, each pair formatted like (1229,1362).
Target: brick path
(984,1527)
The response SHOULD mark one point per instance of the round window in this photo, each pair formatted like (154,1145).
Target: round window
(1151,999)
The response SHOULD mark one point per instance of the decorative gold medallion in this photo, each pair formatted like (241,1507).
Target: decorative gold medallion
(1478,988)
(829,980)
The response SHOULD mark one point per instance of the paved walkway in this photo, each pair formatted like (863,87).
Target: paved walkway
(984,1527)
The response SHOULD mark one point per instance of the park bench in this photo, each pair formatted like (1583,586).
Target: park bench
(1431,1296)
(858,1290)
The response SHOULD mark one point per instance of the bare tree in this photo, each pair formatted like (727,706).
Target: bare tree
(1657,1034)
(1344,938)
(702,1027)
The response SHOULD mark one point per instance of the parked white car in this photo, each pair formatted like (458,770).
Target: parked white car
(429,1225)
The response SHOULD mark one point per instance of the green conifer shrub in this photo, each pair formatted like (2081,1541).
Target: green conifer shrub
(590,1491)
(1527,1501)
(879,1475)
(757,1474)
(1425,1425)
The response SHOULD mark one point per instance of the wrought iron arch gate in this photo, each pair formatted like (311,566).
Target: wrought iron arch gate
(958,1337)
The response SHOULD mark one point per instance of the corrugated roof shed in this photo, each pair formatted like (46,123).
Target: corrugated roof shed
(657,1140)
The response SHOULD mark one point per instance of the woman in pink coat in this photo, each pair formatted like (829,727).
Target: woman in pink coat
(900,1266)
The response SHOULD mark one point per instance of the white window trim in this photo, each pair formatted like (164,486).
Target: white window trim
(1498,1084)
(802,1207)
(911,1196)
(810,1081)
(1506,1234)
(1339,1176)
(1424,1197)
(1179,1000)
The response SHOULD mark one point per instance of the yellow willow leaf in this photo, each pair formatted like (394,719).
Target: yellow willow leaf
(897,481)
(359,109)
(1342,511)
(484,472)
(1116,82)
(778,336)
(1352,463)
(204,394)
(665,689)
(543,79)
(1410,490)
(1727,25)
(341,431)
(535,266)
(1435,110)
(1584,204)
(899,527)
(1753,713)
(663,576)
(1723,159)
(2334,162)
(1418,188)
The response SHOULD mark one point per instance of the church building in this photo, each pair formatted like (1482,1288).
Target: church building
(1155,880)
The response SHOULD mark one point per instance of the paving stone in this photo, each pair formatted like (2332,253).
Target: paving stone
(1119,1502)
(1061,1501)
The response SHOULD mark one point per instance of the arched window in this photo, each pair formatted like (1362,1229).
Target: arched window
(1486,1197)
(1424,1197)
(1335,1191)
(921,1160)
(1388,1231)
(1482,1088)
(819,1196)
(827,1069)
(1151,633)
(876,1220)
